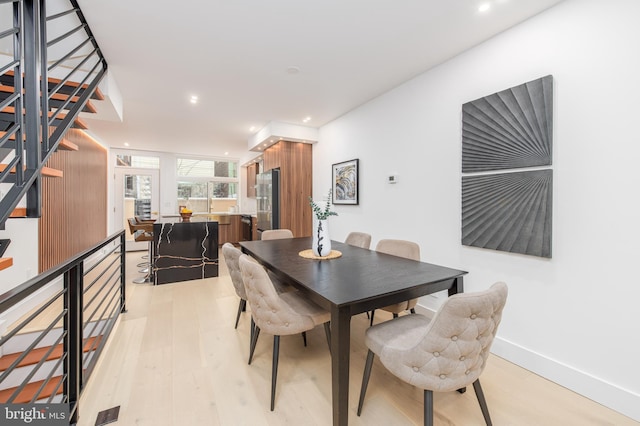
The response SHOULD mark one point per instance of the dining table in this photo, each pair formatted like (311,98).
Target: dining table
(359,280)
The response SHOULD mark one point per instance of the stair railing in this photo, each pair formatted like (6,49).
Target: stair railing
(78,318)
(46,43)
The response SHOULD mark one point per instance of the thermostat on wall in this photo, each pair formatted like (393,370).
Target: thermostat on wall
(392,179)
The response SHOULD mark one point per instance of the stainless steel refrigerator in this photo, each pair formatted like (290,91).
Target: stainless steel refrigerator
(268,200)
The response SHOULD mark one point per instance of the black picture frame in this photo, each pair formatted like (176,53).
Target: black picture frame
(345,182)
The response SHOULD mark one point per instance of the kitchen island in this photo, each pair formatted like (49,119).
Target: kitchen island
(184,250)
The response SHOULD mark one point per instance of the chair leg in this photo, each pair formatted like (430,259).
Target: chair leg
(395,315)
(412,310)
(274,369)
(327,332)
(365,379)
(304,338)
(148,278)
(482,401)
(241,307)
(251,331)
(428,408)
(254,340)
(372,314)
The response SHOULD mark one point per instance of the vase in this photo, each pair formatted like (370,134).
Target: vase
(321,241)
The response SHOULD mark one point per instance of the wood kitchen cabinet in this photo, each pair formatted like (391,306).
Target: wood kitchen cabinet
(296,163)
(229,228)
(252,171)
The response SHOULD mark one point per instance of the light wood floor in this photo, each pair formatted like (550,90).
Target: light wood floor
(175,359)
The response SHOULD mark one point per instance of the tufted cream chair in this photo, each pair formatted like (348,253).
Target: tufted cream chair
(446,353)
(278,314)
(231,258)
(400,248)
(358,239)
(276,234)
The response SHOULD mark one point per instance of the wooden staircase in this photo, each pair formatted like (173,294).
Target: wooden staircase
(42,388)
(62,98)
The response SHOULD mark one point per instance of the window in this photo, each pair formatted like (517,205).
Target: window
(137,161)
(207,185)
(188,167)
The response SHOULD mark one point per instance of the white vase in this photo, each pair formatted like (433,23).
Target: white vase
(321,241)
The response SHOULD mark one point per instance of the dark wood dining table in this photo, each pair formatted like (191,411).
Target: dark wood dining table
(358,281)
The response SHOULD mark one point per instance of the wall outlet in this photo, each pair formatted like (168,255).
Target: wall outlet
(392,179)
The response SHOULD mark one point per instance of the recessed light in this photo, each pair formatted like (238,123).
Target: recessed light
(306,119)
(126,144)
(252,128)
(194,99)
(293,70)
(484,7)
(226,153)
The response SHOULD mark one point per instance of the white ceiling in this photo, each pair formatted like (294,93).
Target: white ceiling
(235,54)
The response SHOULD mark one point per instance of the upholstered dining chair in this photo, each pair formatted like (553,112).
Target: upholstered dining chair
(276,234)
(277,314)
(400,248)
(443,354)
(231,258)
(358,239)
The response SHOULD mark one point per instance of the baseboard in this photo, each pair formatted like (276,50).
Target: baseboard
(598,390)
(594,388)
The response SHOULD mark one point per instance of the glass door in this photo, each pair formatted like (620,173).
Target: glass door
(137,193)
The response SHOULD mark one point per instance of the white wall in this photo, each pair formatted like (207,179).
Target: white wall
(571,318)
(23,234)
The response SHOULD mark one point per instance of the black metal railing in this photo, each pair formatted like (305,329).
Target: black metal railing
(76,320)
(53,69)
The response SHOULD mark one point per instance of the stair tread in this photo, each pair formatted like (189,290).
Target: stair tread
(77,122)
(60,97)
(46,171)
(97,94)
(5,262)
(19,212)
(30,390)
(64,144)
(36,355)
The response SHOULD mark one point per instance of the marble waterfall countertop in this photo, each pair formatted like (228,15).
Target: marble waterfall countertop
(184,250)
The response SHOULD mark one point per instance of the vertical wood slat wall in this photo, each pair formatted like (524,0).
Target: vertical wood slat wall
(295,161)
(74,207)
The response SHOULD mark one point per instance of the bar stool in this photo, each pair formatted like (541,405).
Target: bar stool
(134,226)
(143,232)
(145,265)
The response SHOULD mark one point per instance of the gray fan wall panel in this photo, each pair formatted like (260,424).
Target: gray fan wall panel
(512,129)
(508,212)
(509,129)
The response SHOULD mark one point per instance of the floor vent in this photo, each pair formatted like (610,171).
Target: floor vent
(108,416)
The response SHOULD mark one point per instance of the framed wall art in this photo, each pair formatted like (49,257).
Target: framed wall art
(345,182)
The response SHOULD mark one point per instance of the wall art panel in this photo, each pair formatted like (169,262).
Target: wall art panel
(509,129)
(502,208)
(508,212)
